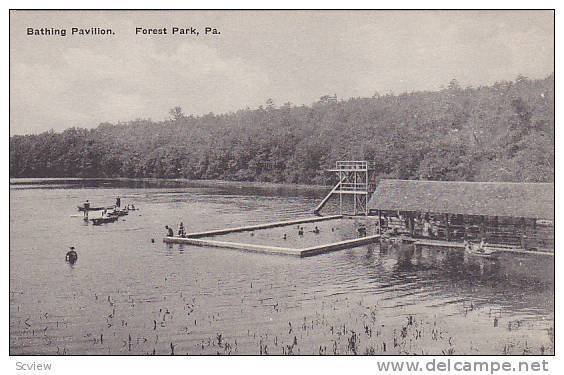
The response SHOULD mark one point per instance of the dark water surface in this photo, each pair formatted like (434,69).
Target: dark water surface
(126,295)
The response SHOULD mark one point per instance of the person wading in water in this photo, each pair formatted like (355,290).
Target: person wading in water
(86,209)
(71,256)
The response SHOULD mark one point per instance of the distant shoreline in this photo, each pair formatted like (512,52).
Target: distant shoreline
(24,180)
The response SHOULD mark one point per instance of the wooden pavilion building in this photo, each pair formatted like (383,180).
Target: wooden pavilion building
(519,214)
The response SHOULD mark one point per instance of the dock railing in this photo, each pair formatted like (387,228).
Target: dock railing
(354,165)
(354,187)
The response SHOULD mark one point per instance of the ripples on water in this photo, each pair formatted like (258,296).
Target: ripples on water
(126,295)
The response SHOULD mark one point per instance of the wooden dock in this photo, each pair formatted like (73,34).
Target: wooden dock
(335,246)
(265,249)
(459,245)
(248,228)
(439,243)
(197,240)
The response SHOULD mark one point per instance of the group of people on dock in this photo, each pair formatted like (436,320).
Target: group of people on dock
(181,231)
(422,225)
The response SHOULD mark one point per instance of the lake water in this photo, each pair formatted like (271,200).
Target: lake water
(127,295)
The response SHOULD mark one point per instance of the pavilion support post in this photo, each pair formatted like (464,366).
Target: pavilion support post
(341,194)
(447,228)
(523,233)
(379,222)
(465,226)
(354,195)
(367,190)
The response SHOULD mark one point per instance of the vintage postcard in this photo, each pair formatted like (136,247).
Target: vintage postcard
(282,182)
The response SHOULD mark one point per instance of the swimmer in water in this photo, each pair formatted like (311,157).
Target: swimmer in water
(71,256)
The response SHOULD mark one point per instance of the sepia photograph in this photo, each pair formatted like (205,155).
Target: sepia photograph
(282,182)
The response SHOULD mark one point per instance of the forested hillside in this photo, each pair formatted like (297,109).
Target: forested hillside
(504,132)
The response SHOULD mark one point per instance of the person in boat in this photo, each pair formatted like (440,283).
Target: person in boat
(71,256)
(170,232)
(182,230)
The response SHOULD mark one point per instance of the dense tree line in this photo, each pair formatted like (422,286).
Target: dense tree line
(503,132)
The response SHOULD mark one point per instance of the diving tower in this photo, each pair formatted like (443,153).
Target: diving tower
(356,181)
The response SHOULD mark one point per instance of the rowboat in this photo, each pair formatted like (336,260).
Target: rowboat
(117,213)
(81,208)
(481,250)
(104,220)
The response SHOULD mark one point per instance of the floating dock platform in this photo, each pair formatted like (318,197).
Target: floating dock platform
(198,240)
(249,228)
(305,252)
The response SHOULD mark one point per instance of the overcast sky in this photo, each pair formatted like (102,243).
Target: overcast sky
(59,82)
